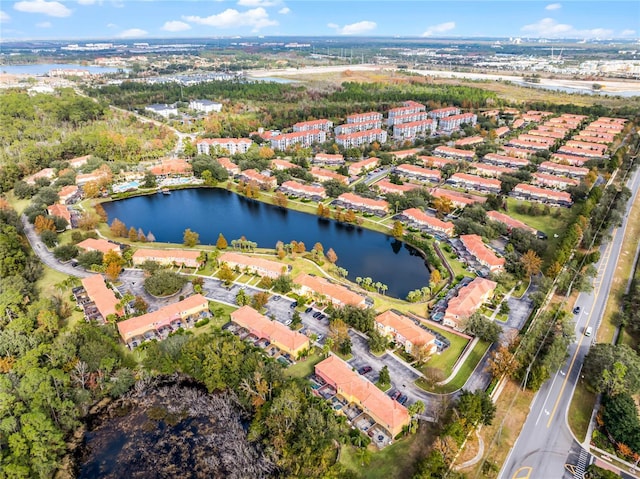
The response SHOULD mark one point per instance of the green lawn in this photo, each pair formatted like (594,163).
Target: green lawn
(465,371)
(446,360)
(546,223)
(304,367)
(457,267)
(581,408)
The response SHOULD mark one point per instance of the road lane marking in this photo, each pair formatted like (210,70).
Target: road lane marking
(603,266)
(526,469)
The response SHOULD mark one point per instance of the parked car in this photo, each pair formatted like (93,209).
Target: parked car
(365,369)
(395,395)
(576,310)
(403,399)
(288,322)
(294,304)
(317,314)
(276,298)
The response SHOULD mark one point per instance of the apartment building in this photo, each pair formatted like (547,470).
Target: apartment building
(263,181)
(232,146)
(420,219)
(348,128)
(304,138)
(418,173)
(482,253)
(162,109)
(458,154)
(469,300)
(527,192)
(68,194)
(367,116)
(502,160)
(104,298)
(408,131)
(405,332)
(322,125)
(46,173)
(61,211)
(300,190)
(167,257)
(407,108)
(229,166)
(102,245)
(491,171)
(323,175)
(328,159)
(477,183)
(458,199)
(255,265)
(454,122)
(407,118)
(444,112)
(360,138)
(317,287)
(205,106)
(279,335)
(386,186)
(365,165)
(366,205)
(469,141)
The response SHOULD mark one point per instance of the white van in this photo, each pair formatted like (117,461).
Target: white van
(588,331)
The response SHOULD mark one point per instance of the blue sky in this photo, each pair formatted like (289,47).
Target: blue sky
(129,19)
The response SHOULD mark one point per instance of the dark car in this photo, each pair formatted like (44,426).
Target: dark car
(395,395)
(276,298)
(317,314)
(308,310)
(365,369)
(294,304)
(576,310)
(403,399)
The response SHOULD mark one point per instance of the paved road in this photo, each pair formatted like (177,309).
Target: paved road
(545,441)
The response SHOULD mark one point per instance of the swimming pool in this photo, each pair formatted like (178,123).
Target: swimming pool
(131,185)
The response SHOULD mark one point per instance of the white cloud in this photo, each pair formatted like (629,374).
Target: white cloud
(628,33)
(553,6)
(112,25)
(133,33)
(257,18)
(439,29)
(53,9)
(354,28)
(86,2)
(43,25)
(549,28)
(284,11)
(4,17)
(258,3)
(176,26)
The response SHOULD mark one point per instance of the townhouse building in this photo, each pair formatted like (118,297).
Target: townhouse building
(435,161)
(78,161)
(517,152)
(527,192)
(567,159)
(229,166)
(102,245)
(172,167)
(491,171)
(469,141)
(61,211)
(509,222)
(586,153)
(68,194)
(366,205)
(365,165)
(392,416)
(279,165)
(300,190)
(421,220)
(418,173)
(402,154)
(320,288)
(469,300)
(263,181)
(591,147)
(279,335)
(328,159)
(502,131)
(503,160)
(457,198)
(46,173)
(405,332)
(167,257)
(232,146)
(103,297)
(253,264)
(553,181)
(323,175)
(385,186)
(458,154)
(360,138)
(477,183)
(527,145)
(482,253)
(562,170)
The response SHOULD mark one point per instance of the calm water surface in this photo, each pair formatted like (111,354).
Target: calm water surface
(209,212)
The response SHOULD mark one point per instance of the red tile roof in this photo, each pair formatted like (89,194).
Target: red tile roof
(421,217)
(321,286)
(101,245)
(509,221)
(357,200)
(406,328)
(103,297)
(61,211)
(260,264)
(475,246)
(470,298)
(174,166)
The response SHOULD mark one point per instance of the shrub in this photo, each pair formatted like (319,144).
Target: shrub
(164,283)
(202,322)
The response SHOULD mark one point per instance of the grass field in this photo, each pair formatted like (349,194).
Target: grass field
(304,367)
(447,359)
(581,408)
(545,223)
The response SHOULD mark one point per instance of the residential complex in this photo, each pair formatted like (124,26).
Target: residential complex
(167,257)
(405,332)
(103,298)
(481,252)
(253,264)
(300,190)
(232,146)
(359,203)
(469,299)
(279,335)
(317,287)
(421,220)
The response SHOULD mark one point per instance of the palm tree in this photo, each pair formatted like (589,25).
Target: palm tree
(234,243)
(358,280)
(384,288)
(378,286)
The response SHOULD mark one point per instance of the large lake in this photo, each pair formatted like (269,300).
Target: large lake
(209,212)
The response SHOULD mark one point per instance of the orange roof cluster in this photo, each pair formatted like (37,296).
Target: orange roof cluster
(143,254)
(387,187)
(252,262)
(61,211)
(300,187)
(421,217)
(389,413)
(104,246)
(357,200)
(470,298)
(457,198)
(324,175)
(447,150)
(509,221)
(103,297)
(163,317)
(404,153)
(264,328)
(475,246)
(470,140)
(406,328)
(321,286)
(173,166)
(282,164)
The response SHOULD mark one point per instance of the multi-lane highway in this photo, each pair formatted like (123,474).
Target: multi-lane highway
(546,443)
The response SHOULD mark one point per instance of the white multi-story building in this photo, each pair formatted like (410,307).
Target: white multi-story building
(407,118)
(360,138)
(408,131)
(205,106)
(368,116)
(163,110)
(357,126)
(450,123)
(444,112)
(231,145)
(322,125)
(303,138)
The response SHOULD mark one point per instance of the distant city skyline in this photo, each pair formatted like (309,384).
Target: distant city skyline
(140,19)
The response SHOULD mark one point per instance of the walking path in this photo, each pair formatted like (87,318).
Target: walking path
(474,460)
